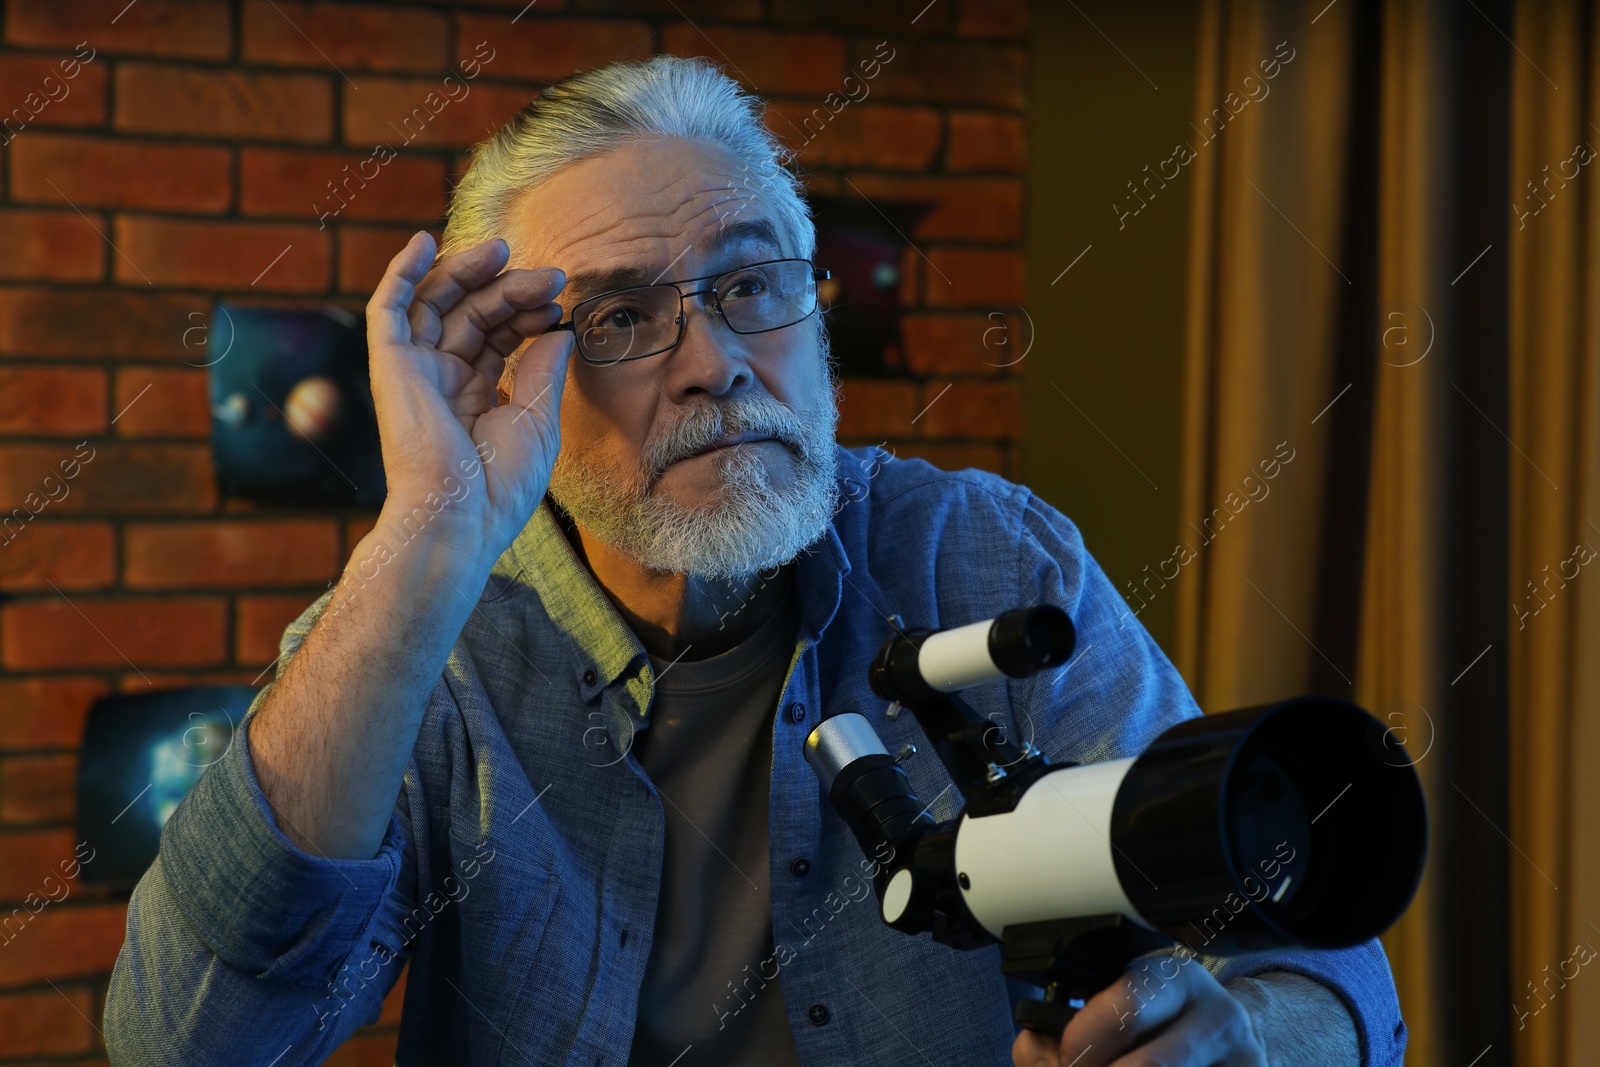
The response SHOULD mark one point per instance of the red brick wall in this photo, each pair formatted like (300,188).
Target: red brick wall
(185,156)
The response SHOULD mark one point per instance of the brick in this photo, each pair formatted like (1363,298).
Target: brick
(56,246)
(156,98)
(162,402)
(355,528)
(965,209)
(52,633)
(366,1048)
(38,789)
(894,16)
(260,623)
(542,50)
(52,400)
(222,255)
(769,61)
(27,858)
(340,185)
(958,73)
(350,37)
(395,999)
(989,344)
(111,479)
(101,172)
(103,324)
(993,18)
(65,940)
(876,407)
(981,140)
(955,457)
(911,271)
(822,184)
(149,681)
(364,254)
(975,277)
(46,712)
(973,409)
(857,135)
(726,10)
(52,1023)
(545,7)
(230,554)
(416,112)
(191,29)
(45,91)
(72,555)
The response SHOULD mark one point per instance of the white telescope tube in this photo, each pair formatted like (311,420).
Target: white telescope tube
(958,658)
(1050,856)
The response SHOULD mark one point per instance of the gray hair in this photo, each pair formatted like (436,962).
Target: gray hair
(624,103)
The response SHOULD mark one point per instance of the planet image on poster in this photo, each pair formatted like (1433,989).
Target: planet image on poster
(233,411)
(313,407)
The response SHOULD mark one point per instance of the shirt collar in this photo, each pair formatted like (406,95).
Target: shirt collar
(542,558)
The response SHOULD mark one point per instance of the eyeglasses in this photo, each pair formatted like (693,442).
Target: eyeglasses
(646,320)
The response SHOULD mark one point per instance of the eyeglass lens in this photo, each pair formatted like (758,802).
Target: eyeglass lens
(643,321)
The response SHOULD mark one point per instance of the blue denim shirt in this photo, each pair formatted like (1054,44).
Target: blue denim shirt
(520,870)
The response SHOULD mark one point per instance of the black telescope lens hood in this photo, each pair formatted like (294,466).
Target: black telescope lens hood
(1293,823)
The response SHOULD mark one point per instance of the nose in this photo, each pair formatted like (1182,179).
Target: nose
(709,358)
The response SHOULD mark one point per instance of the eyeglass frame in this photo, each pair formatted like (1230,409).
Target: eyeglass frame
(818,274)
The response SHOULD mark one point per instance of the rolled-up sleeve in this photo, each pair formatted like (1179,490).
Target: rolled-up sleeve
(1359,975)
(235,936)
(255,899)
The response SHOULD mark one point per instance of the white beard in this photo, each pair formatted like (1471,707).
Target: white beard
(751,526)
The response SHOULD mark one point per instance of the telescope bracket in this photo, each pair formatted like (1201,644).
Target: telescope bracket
(1072,960)
(966,744)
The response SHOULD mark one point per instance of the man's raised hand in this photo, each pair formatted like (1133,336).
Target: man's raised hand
(438,339)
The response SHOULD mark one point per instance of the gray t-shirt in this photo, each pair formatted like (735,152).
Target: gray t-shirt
(711,993)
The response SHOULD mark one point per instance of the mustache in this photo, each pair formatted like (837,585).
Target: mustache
(712,422)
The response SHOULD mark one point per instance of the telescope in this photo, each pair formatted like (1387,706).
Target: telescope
(1296,824)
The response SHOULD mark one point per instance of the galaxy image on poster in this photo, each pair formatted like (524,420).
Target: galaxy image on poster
(141,755)
(292,420)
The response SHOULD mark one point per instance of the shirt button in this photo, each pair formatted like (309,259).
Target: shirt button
(800,867)
(818,1014)
(589,676)
(797,712)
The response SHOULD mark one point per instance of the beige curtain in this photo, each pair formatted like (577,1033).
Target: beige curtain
(1270,271)
(1555,518)
(1361,298)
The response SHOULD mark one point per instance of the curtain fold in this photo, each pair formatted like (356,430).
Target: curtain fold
(1554,246)
(1401,661)
(1361,298)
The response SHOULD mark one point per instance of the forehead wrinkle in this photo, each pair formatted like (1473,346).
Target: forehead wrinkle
(667,233)
(685,202)
(615,213)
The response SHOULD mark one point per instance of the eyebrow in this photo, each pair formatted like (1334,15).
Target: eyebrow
(584,284)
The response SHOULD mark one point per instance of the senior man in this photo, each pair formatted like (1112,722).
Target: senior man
(542,741)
